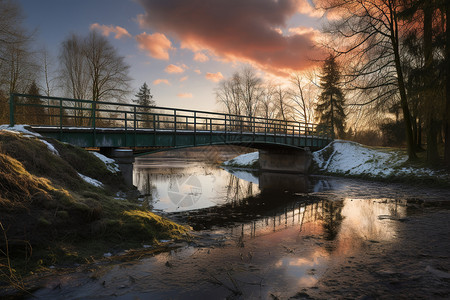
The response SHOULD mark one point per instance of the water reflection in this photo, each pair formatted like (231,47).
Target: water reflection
(259,235)
(247,205)
(176,186)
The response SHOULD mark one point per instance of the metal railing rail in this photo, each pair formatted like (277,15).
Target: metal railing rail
(65,112)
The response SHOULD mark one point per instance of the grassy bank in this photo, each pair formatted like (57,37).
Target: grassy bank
(51,216)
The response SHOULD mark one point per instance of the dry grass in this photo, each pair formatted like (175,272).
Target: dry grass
(45,206)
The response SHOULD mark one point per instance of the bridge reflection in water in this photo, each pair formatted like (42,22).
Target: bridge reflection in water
(266,203)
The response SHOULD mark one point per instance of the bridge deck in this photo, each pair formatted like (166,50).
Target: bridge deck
(87,123)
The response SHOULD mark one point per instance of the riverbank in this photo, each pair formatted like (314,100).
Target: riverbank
(350,159)
(62,206)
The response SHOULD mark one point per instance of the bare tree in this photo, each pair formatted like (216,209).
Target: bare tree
(48,82)
(90,68)
(303,95)
(266,103)
(282,104)
(446,9)
(250,87)
(374,31)
(108,71)
(240,95)
(228,95)
(74,74)
(73,68)
(17,66)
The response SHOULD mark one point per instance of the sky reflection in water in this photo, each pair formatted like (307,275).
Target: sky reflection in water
(273,236)
(301,227)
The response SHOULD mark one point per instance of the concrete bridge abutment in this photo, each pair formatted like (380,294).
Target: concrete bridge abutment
(125,159)
(285,160)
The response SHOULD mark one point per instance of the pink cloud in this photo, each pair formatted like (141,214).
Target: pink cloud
(172,69)
(107,29)
(198,71)
(307,9)
(215,77)
(159,81)
(184,95)
(200,57)
(303,30)
(237,30)
(183,78)
(157,45)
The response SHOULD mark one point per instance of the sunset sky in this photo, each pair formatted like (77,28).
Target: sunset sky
(183,48)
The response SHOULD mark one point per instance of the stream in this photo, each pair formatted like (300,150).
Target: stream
(277,236)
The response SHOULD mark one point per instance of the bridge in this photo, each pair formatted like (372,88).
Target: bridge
(143,129)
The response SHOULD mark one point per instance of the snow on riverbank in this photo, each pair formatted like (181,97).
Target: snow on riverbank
(90,180)
(27,133)
(110,163)
(350,158)
(247,160)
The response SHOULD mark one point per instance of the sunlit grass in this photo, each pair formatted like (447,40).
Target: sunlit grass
(52,217)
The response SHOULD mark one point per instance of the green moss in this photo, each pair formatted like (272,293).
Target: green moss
(44,222)
(63,218)
(62,214)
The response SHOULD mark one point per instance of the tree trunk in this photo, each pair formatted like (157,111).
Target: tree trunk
(419,136)
(447,86)
(403,98)
(432,149)
(432,130)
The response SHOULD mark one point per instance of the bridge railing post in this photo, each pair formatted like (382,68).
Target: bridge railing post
(195,128)
(134,125)
(225,127)
(60,115)
(175,128)
(154,123)
(210,130)
(265,129)
(11,110)
(134,119)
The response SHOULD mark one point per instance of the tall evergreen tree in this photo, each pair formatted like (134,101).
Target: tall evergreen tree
(34,112)
(331,102)
(144,98)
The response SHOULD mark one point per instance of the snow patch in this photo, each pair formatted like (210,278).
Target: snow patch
(19,128)
(50,147)
(91,181)
(110,163)
(29,134)
(244,160)
(350,158)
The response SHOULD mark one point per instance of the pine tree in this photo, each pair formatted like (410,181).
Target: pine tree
(331,102)
(144,98)
(34,112)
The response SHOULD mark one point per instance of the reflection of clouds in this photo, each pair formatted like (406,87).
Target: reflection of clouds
(361,222)
(299,267)
(307,281)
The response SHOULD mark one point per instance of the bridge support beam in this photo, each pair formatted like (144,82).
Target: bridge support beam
(285,160)
(125,159)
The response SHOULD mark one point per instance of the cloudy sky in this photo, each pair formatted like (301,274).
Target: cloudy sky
(183,48)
